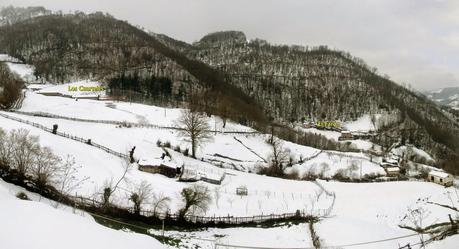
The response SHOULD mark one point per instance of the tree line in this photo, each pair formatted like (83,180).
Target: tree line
(10,87)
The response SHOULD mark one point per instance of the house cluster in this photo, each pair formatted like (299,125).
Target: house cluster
(353,135)
(323,125)
(84,91)
(392,168)
(185,173)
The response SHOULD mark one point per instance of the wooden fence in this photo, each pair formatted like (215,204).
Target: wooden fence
(225,220)
(121,123)
(62,134)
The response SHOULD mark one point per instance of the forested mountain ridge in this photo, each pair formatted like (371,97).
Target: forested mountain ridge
(11,15)
(96,46)
(226,74)
(294,82)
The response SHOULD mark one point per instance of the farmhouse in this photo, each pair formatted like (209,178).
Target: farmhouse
(346,135)
(391,167)
(441,178)
(392,171)
(158,166)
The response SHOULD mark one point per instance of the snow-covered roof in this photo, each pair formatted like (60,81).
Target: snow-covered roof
(156,162)
(150,162)
(37,86)
(439,174)
(392,169)
(388,164)
(169,164)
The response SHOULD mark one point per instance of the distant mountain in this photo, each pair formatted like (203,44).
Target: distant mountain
(448,96)
(11,15)
(294,83)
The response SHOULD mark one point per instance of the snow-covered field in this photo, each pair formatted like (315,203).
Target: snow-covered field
(22,70)
(378,208)
(102,167)
(362,211)
(329,163)
(34,224)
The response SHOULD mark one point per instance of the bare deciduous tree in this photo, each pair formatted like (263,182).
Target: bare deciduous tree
(160,203)
(5,149)
(24,148)
(196,197)
(109,187)
(140,196)
(416,217)
(67,180)
(278,159)
(46,167)
(195,129)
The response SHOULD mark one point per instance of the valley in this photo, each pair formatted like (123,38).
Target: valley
(113,136)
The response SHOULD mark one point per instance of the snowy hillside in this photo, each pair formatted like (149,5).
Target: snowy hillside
(348,213)
(33,224)
(445,96)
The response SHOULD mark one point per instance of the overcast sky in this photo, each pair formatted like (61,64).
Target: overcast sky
(413,41)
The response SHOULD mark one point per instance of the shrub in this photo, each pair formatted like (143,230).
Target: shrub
(340,175)
(23,196)
(186,152)
(167,144)
(158,143)
(177,148)
(293,175)
(197,198)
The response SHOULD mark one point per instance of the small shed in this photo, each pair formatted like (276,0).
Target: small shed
(441,178)
(189,174)
(242,190)
(158,166)
(212,178)
(392,171)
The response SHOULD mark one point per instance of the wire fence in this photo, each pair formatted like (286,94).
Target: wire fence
(216,243)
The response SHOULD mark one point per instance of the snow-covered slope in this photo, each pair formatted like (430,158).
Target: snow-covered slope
(32,224)
(362,212)
(448,96)
(373,211)
(22,70)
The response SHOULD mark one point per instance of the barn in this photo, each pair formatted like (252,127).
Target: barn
(441,178)
(192,173)
(158,166)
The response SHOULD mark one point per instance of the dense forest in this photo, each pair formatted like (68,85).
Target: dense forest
(96,46)
(295,83)
(10,87)
(252,82)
